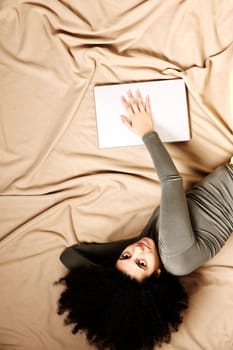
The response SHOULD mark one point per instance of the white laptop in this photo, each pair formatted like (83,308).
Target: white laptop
(168,106)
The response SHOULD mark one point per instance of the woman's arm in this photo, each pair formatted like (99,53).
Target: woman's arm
(176,235)
(175,231)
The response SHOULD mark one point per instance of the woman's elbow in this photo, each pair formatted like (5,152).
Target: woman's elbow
(181,265)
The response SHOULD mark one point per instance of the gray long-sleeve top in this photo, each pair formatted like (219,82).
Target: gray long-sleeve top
(188,229)
(175,232)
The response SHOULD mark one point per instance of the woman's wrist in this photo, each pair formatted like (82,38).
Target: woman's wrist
(147,133)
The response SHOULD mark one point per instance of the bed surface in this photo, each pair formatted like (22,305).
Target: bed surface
(58,188)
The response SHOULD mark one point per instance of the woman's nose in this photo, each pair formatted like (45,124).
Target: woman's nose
(139,249)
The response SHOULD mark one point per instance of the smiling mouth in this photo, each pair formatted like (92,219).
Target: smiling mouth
(143,242)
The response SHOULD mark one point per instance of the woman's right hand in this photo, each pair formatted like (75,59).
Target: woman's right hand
(139,119)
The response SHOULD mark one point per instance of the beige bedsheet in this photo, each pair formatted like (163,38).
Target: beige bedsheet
(57,187)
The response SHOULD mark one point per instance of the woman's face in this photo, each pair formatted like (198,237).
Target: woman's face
(140,260)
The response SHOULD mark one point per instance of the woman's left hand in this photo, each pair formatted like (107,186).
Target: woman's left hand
(139,113)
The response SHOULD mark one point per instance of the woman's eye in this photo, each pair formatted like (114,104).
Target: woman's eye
(142,263)
(124,256)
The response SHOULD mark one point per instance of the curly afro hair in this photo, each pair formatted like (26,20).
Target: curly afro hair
(119,313)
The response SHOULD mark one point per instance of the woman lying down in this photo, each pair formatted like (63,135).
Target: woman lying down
(126,295)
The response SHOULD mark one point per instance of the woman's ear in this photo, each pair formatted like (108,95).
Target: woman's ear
(158,272)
